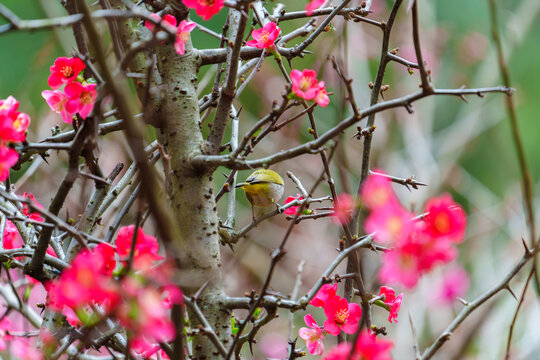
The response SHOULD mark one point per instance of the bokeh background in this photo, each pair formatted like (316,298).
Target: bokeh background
(464,149)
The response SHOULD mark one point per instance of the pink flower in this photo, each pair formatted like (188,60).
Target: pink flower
(312,5)
(64,71)
(36,216)
(12,239)
(13,124)
(142,312)
(87,281)
(205,8)
(321,97)
(57,102)
(393,302)
(17,128)
(8,158)
(146,247)
(81,98)
(445,219)
(265,37)
(273,345)
(5,326)
(172,295)
(341,316)
(367,347)
(313,336)
(341,352)
(455,283)
(377,191)
(293,209)
(71,316)
(416,255)
(326,292)
(182,36)
(168,21)
(304,84)
(391,224)
(9,105)
(21,349)
(343,207)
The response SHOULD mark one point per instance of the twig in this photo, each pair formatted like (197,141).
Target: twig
(516,313)
(410,181)
(314,146)
(503,284)
(424,76)
(213,142)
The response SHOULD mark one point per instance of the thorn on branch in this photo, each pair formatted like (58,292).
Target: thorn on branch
(463,301)
(409,108)
(363,132)
(528,251)
(511,292)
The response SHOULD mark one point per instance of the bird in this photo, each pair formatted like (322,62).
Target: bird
(263,188)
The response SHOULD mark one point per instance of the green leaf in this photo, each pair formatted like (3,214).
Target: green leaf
(234,328)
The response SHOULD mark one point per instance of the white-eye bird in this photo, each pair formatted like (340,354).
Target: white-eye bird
(263,188)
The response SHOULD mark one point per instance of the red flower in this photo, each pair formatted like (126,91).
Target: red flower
(293,209)
(393,302)
(367,347)
(182,31)
(265,37)
(304,84)
(8,158)
(326,292)
(36,216)
(107,259)
(313,337)
(205,8)
(312,5)
(343,206)
(445,219)
(87,281)
(81,98)
(341,316)
(168,20)
(64,71)
(146,247)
